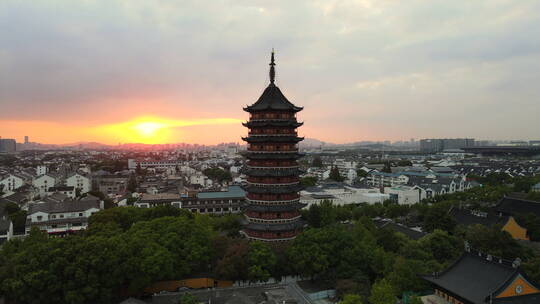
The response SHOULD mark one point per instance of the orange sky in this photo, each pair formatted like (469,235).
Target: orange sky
(180,71)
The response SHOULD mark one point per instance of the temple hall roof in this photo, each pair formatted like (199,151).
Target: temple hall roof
(473,277)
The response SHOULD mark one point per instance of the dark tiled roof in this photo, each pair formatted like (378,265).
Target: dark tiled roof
(61,188)
(466,217)
(272,99)
(408,232)
(473,278)
(513,206)
(274,208)
(275,227)
(273,189)
(271,171)
(270,138)
(273,123)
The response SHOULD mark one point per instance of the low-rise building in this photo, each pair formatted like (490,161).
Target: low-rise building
(149,200)
(60,218)
(69,191)
(43,182)
(216,202)
(11,182)
(404,195)
(6,225)
(79,182)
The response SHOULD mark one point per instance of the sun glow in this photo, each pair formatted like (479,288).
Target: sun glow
(155,130)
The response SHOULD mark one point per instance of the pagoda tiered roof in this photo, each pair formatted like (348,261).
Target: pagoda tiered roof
(274,208)
(270,155)
(272,123)
(271,171)
(272,99)
(272,138)
(272,189)
(276,227)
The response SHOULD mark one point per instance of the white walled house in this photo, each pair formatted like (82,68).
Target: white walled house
(404,195)
(41,170)
(42,184)
(59,218)
(79,181)
(6,226)
(69,191)
(11,182)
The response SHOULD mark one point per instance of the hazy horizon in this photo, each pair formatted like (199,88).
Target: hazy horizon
(181,71)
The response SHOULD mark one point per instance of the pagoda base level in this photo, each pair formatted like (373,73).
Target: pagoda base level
(266,236)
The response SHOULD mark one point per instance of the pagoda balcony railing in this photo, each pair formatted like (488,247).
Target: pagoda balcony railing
(271,150)
(273,221)
(273,184)
(272,215)
(271,236)
(272,198)
(273,166)
(273,134)
(270,202)
(273,116)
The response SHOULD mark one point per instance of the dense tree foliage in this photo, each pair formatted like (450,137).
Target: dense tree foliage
(308,181)
(317,162)
(335,175)
(127,249)
(218,174)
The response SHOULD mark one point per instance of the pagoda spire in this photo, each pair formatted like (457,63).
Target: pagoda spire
(272,70)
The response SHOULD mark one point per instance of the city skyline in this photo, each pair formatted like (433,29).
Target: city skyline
(166,72)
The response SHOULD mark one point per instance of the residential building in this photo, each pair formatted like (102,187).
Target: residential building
(6,225)
(110,183)
(11,182)
(149,200)
(404,195)
(80,182)
(146,164)
(69,191)
(439,145)
(8,145)
(215,202)
(41,170)
(60,218)
(43,182)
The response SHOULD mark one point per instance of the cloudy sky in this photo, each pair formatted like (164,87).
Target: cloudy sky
(181,71)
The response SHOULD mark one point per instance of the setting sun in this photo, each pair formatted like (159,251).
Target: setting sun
(156,130)
(148,128)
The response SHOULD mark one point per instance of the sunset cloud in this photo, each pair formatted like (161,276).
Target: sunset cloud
(362,69)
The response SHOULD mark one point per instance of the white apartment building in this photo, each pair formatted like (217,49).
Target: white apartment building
(41,170)
(11,182)
(60,218)
(404,195)
(79,181)
(42,184)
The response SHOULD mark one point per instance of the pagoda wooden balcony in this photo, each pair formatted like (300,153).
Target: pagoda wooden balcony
(272,197)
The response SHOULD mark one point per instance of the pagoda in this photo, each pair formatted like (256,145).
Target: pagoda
(273,204)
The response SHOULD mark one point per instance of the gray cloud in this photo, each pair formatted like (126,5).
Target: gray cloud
(393,69)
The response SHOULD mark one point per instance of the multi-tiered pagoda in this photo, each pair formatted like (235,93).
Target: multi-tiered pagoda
(273,203)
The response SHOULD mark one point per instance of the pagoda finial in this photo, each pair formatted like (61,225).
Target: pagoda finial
(272,70)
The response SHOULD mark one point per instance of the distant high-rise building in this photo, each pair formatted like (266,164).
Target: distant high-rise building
(440,144)
(8,145)
(273,209)
(26,140)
